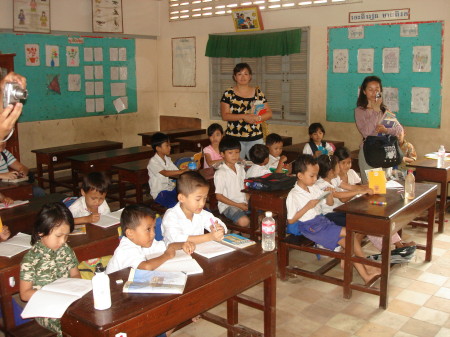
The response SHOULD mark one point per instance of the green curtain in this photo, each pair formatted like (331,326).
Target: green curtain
(254,45)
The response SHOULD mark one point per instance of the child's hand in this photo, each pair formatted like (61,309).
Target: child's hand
(7,201)
(329,189)
(369,191)
(312,203)
(4,235)
(188,247)
(317,153)
(10,175)
(217,231)
(170,250)
(93,218)
(243,206)
(283,159)
(330,153)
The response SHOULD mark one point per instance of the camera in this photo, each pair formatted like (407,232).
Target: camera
(13,93)
(378,95)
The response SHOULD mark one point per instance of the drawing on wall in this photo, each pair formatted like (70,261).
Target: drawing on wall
(32,55)
(391,60)
(31,16)
(390,98)
(340,60)
(356,32)
(409,30)
(72,56)
(365,61)
(422,59)
(420,100)
(74,82)
(53,84)
(51,56)
(107,16)
(183,62)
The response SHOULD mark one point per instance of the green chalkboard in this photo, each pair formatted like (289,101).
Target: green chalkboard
(46,104)
(342,88)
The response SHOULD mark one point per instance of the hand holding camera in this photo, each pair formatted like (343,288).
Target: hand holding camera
(13,93)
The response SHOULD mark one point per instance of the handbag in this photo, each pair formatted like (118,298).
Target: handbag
(382,151)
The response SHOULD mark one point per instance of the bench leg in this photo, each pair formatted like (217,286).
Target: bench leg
(283,260)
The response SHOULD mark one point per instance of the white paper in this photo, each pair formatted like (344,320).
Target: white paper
(113,54)
(32,55)
(14,204)
(15,245)
(107,220)
(99,104)
(123,73)
(420,100)
(212,249)
(390,98)
(114,73)
(391,60)
(90,105)
(189,267)
(365,61)
(89,87)
(88,72)
(122,54)
(52,56)
(72,56)
(121,103)
(74,82)
(88,55)
(409,30)
(422,59)
(98,88)
(98,72)
(340,60)
(98,54)
(356,32)
(118,89)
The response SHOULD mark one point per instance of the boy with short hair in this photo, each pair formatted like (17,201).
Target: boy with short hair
(229,181)
(188,220)
(138,227)
(160,170)
(274,143)
(92,203)
(259,155)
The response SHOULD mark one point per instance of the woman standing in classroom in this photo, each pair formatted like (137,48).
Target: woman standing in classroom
(237,108)
(369,113)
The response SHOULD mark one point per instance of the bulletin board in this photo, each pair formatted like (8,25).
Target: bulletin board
(70,77)
(411,77)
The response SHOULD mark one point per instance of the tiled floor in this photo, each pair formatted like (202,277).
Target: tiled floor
(419,303)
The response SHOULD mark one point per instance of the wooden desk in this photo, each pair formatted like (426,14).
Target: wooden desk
(136,173)
(426,170)
(194,143)
(223,279)
(104,161)
(384,221)
(292,151)
(97,242)
(173,134)
(17,191)
(53,157)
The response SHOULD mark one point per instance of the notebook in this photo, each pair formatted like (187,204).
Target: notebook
(212,249)
(14,204)
(180,262)
(155,282)
(108,220)
(237,241)
(15,245)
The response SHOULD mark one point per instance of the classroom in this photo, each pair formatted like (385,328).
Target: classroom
(419,295)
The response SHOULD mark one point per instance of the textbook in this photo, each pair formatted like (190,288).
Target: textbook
(237,241)
(15,245)
(79,230)
(155,282)
(377,182)
(212,249)
(180,262)
(53,299)
(15,180)
(14,204)
(108,220)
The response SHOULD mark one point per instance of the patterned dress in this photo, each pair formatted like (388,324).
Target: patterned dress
(41,266)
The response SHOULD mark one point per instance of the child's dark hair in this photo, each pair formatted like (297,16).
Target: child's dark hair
(189,181)
(258,153)
(342,153)
(273,138)
(301,163)
(50,216)
(132,215)
(326,164)
(158,139)
(314,127)
(213,128)
(95,181)
(229,143)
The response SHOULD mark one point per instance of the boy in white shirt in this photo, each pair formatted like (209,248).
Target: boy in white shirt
(92,204)
(138,227)
(259,155)
(277,162)
(160,170)
(187,221)
(229,182)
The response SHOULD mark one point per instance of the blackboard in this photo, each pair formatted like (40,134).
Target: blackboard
(45,104)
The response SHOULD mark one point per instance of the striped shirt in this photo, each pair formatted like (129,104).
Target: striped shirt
(4,165)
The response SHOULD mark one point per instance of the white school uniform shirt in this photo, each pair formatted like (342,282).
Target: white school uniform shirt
(257,171)
(229,184)
(307,149)
(79,208)
(129,254)
(323,184)
(176,227)
(273,161)
(353,177)
(298,198)
(157,181)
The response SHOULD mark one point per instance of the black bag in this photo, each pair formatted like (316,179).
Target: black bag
(271,182)
(382,151)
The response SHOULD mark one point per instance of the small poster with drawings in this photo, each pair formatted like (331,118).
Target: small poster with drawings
(247,19)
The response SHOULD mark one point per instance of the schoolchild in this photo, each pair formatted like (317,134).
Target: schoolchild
(316,145)
(259,155)
(211,152)
(276,161)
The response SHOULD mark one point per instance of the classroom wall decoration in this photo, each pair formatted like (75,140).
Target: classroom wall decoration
(407,58)
(31,16)
(70,77)
(107,16)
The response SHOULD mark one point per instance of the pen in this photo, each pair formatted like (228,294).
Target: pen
(213,223)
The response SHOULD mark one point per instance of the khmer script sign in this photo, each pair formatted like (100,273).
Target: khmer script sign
(383,15)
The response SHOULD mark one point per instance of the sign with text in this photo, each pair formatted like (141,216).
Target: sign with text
(382,15)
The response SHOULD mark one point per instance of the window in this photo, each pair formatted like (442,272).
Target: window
(283,79)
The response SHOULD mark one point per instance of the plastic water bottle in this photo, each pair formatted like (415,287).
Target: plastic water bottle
(100,288)
(410,185)
(268,233)
(192,166)
(254,185)
(441,156)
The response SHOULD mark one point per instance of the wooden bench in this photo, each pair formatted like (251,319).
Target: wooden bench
(30,329)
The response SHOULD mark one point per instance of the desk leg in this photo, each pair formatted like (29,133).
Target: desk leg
(122,190)
(430,232)
(75,182)
(51,176)
(232,315)
(39,172)
(442,204)
(385,269)
(270,285)
(348,265)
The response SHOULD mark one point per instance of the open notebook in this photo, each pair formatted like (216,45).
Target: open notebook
(180,262)
(108,220)
(15,245)
(14,204)
(157,282)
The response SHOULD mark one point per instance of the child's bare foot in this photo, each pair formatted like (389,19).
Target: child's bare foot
(370,278)
(196,318)
(168,333)
(373,270)
(401,244)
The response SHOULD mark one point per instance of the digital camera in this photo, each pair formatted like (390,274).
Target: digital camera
(378,95)
(13,93)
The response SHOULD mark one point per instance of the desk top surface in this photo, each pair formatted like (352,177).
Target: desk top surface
(80,146)
(139,165)
(110,154)
(299,146)
(429,163)
(203,137)
(171,132)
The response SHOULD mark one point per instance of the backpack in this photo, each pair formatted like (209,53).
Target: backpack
(271,182)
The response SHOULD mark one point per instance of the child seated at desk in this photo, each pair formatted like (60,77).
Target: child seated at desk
(92,204)
(160,170)
(187,221)
(316,146)
(274,142)
(50,258)
(304,215)
(211,152)
(259,155)
(229,182)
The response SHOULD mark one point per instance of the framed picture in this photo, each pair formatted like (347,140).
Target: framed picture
(32,16)
(247,19)
(107,16)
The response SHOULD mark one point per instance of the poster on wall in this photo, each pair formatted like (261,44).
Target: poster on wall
(340,60)
(420,100)
(422,59)
(107,16)
(391,60)
(365,61)
(183,62)
(390,98)
(31,16)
